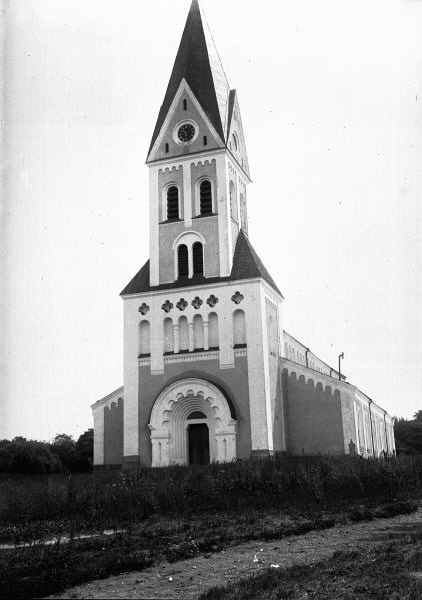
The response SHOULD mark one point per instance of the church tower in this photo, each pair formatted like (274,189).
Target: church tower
(202,317)
(209,373)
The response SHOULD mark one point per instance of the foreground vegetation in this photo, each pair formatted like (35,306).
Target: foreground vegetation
(391,571)
(178,512)
(96,501)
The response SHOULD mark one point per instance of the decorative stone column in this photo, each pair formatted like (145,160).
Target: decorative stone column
(176,338)
(190,327)
(206,335)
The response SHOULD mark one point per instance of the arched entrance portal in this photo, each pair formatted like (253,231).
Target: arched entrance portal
(191,423)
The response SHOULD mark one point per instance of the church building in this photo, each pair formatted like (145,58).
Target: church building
(209,373)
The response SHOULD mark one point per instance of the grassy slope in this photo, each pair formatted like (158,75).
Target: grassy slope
(391,571)
(42,570)
(177,512)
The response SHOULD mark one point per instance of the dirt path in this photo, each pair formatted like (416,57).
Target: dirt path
(189,578)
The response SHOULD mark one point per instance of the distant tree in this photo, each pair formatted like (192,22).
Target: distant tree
(64,446)
(408,434)
(27,456)
(418,416)
(85,449)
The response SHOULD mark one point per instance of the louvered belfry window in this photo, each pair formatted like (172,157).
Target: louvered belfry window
(205,197)
(198,259)
(183,261)
(172,203)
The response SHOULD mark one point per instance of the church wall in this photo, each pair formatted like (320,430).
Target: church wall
(350,425)
(313,416)
(108,421)
(113,433)
(235,232)
(205,226)
(233,381)
(273,343)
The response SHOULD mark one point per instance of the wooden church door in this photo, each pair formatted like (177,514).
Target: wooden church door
(199,444)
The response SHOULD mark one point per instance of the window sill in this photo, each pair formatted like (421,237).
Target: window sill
(197,277)
(204,216)
(170,221)
(172,353)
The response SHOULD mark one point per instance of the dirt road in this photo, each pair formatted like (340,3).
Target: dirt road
(189,578)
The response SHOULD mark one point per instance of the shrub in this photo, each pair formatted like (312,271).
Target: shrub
(23,456)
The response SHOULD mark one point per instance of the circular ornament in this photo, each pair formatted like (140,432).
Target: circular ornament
(185,132)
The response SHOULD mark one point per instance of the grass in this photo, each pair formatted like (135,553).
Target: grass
(391,571)
(175,513)
(41,570)
(96,501)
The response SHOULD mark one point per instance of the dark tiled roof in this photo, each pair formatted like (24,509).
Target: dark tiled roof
(197,62)
(246,265)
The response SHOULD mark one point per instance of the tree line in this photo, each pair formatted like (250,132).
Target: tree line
(408,434)
(63,454)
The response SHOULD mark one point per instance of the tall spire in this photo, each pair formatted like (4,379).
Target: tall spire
(197,62)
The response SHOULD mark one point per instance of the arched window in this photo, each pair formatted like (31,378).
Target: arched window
(197,414)
(168,332)
(144,338)
(198,259)
(183,334)
(205,140)
(213,330)
(198,332)
(233,202)
(172,203)
(166,148)
(239,329)
(205,197)
(183,261)
(185,105)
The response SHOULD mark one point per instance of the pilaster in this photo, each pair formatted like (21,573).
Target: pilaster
(187,195)
(131,387)
(154,217)
(99,436)
(224,224)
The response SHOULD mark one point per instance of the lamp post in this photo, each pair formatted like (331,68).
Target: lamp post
(340,356)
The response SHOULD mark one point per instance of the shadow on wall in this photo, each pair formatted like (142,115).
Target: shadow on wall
(113,433)
(313,416)
(278,412)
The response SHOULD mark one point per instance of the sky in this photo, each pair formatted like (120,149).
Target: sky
(330,94)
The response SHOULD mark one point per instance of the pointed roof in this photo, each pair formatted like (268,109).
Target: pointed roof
(246,265)
(197,62)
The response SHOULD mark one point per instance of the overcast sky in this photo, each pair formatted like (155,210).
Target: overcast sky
(330,95)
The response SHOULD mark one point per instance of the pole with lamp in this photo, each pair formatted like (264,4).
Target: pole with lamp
(340,356)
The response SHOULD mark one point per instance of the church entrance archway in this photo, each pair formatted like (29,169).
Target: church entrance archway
(191,423)
(198,444)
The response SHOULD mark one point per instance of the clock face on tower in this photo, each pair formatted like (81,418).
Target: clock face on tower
(186,132)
